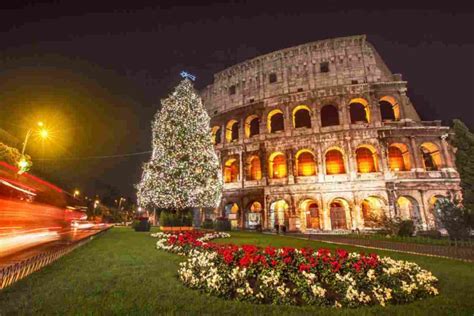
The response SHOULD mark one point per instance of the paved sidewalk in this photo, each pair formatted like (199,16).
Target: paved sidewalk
(460,253)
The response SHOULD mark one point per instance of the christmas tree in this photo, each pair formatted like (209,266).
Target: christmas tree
(184,170)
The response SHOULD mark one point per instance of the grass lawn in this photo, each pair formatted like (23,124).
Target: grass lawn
(121,272)
(415,240)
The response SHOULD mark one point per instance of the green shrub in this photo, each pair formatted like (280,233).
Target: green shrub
(142,225)
(207,224)
(434,234)
(406,228)
(169,219)
(222,224)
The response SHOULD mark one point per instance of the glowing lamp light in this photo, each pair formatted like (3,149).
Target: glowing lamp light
(44,133)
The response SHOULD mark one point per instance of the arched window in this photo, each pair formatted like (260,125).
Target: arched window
(337,213)
(359,111)
(334,162)
(407,208)
(232,131)
(255,169)
(389,109)
(366,160)
(431,156)
(275,121)
(372,211)
(305,164)
(252,126)
(231,171)
(398,157)
(216,135)
(277,165)
(329,116)
(310,211)
(301,117)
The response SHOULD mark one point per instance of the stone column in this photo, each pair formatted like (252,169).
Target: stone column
(344,115)
(416,154)
(315,119)
(423,211)
(290,166)
(351,166)
(320,163)
(448,161)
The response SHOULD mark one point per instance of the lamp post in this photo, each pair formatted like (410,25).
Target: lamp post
(43,133)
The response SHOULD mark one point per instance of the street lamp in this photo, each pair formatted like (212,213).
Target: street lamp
(76,193)
(43,133)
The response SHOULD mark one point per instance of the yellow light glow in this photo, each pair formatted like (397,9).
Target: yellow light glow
(76,192)
(23,164)
(44,133)
(40,124)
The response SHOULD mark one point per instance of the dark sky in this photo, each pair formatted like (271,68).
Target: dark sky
(95,71)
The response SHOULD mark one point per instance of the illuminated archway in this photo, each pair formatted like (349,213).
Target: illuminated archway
(373,209)
(431,156)
(399,157)
(278,213)
(310,214)
(407,208)
(366,159)
(275,121)
(254,214)
(232,212)
(252,126)
(305,163)
(231,171)
(329,115)
(338,210)
(334,162)
(301,116)
(254,168)
(389,109)
(216,135)
(359,110)
(232,131)
(277,165)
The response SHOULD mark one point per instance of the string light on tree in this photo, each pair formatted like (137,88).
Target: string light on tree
(184,170)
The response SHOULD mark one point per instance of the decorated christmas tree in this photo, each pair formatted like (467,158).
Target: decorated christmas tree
(184,170)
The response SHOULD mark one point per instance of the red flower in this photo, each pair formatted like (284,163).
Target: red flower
(270,251)
(274,263)
(342,254)
(287,260)
(304,267)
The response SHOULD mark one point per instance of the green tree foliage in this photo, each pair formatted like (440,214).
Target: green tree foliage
(454,217)
(12,155)
(463,141)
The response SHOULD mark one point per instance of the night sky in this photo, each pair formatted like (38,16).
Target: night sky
(95,72)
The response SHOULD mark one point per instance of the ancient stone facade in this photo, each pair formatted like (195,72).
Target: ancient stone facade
(322,136)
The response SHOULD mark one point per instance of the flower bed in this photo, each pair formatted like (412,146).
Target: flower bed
(295,276)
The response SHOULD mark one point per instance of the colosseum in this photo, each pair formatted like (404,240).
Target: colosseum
(322,137)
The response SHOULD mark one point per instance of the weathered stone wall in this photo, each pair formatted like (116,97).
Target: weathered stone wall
(356,72)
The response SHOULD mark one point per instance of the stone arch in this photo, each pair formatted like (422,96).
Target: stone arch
(310,214)
(252,125)
(253,214)
(329,115)
(277,167)
(366,158)
(231,171)
(232,212)
(373,210)
(409,208)
(359,110)
(275,121)
(279,213)
(431,156)
(216,135)
(301,116)
(232,131)
(254,171)
(305,163)
(432,203)
(335,162)
(340,214)
(399,157)
(389,108)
